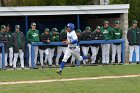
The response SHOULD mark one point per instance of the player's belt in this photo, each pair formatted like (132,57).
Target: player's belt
(72,47)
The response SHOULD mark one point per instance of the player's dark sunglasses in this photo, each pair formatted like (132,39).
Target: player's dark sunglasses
(67,27)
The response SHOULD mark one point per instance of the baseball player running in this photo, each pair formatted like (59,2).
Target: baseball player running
(72,49)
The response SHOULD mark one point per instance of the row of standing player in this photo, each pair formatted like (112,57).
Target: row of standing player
(16,42)
(106,32)
(14,45)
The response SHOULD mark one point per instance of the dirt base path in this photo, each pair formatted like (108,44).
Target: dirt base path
(70,79)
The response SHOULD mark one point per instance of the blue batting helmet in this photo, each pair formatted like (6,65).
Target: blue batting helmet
(71,26)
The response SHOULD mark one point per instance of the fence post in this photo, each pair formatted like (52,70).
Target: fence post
(78,22)
(123,51)
(26,28)
(26,23)
(32,56)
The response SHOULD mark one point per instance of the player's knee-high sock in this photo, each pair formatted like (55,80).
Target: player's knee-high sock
(62,65)
(85,57)
(78,63)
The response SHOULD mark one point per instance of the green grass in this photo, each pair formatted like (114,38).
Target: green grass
(50,73)
(122,85)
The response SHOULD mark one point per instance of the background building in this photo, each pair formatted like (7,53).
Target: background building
(59,16)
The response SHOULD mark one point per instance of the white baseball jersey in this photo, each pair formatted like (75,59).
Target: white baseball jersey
(70,37)
(75,51)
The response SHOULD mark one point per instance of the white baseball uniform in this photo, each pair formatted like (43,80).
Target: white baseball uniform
(72,49)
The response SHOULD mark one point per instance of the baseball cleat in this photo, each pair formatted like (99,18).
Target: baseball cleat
(59,72)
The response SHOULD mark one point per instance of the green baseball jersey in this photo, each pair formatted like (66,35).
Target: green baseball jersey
(134,32)
(54,38)
(107,33)
(32,36)
(117,33)
(19,40)
(10,42)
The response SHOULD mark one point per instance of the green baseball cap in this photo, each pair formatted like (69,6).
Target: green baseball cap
(134,22)
(117,22)
(106,22)
(98,27)
(33,24)
(47,30)
(3,26)
(54,29)
(87,28)
(17,26)
(78,31)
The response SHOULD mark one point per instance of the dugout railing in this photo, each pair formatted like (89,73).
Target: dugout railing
(122,41)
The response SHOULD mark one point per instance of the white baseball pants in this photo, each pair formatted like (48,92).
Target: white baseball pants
(11,56)
(94,51)
(6,63)
(131,50)
(50,55)
(105,53)
(116,48)
(21,56)
(85,52)
(74,52)
(36,54)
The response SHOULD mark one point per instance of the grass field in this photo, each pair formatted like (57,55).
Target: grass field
(121,85)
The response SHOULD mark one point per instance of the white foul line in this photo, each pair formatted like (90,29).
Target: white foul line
(70,79)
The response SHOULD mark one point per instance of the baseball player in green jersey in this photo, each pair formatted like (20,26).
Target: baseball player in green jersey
(33,36)
(19,46)
(96,35)
(54,38)
(116,47)
(4,38)
(133,36)
(60,49)
(107,34)
(10,45)
(45,38)
(86,36)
